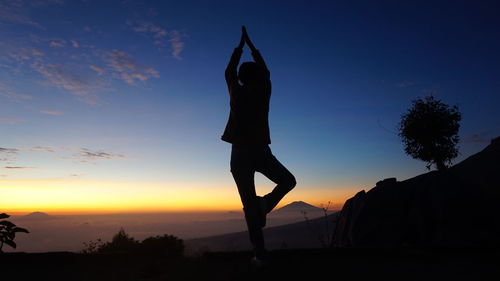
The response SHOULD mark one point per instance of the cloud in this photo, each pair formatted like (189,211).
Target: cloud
(8,154)
(22,55)
(162,37)
(18,11)
(9,150)
(80,69)
(58,43)
(15,12)
(16,167)
(51,112)
(126,69)
(57,75)
(42,148)
(155,30)
(10,120)
(36,52)
(8,93)
(71,77)
(98,69)
(88,154)
(176,44)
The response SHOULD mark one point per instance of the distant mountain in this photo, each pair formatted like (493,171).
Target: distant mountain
(298,206)
(294,212)
(37,216)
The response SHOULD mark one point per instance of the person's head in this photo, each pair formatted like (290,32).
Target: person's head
(250,73)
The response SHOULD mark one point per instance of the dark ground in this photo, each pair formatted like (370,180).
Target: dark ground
(304,264)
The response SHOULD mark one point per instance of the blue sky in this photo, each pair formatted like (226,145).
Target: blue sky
(133,91)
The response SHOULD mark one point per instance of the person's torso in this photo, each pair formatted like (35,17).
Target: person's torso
(249,115)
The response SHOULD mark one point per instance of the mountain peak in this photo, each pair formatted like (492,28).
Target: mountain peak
(298,206)
(37,215)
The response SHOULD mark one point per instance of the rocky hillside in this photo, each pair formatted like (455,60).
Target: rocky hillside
(456,207)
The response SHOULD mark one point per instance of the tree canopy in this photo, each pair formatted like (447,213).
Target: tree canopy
(429,131)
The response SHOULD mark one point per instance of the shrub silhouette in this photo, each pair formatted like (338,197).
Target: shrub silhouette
(167,246)
(121,243)
(8,232)
(429,131)
(92,247)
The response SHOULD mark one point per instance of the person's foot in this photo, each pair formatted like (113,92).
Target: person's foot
(263,210)
(261,259)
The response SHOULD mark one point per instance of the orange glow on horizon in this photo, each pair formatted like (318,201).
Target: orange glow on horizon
(103,197)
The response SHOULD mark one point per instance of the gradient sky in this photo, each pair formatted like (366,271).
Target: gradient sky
(119,105)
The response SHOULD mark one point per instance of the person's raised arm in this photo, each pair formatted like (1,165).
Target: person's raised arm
(231,73)
(257,57)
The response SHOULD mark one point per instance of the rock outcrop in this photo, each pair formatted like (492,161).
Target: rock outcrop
(458,207)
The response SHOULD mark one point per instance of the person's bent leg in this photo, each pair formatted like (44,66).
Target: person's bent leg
(276,172)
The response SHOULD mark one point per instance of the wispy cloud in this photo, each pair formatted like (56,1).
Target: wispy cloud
(127,69)
(10,120)
(36,52)
(15,12)
(9,150)
(23,55)
(155,30)
(8,155)
(87,71)
(99,70)
(88,154)
(8,93)
(72,76)
(162,37)
(57,75)
(42,148)
(16,167)
(51,112)
(58,43)
(18,11)
(176,43)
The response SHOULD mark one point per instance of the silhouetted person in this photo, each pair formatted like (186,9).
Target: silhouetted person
(248,131)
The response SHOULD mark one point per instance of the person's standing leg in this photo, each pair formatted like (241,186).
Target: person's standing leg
(242,168)
(270,167)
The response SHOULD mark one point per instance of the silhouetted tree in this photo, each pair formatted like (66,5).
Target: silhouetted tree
(429,131)
(121,243)
(8,231)
(166,246)
(92,247)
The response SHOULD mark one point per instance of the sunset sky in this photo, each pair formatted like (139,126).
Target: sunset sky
(118,106)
